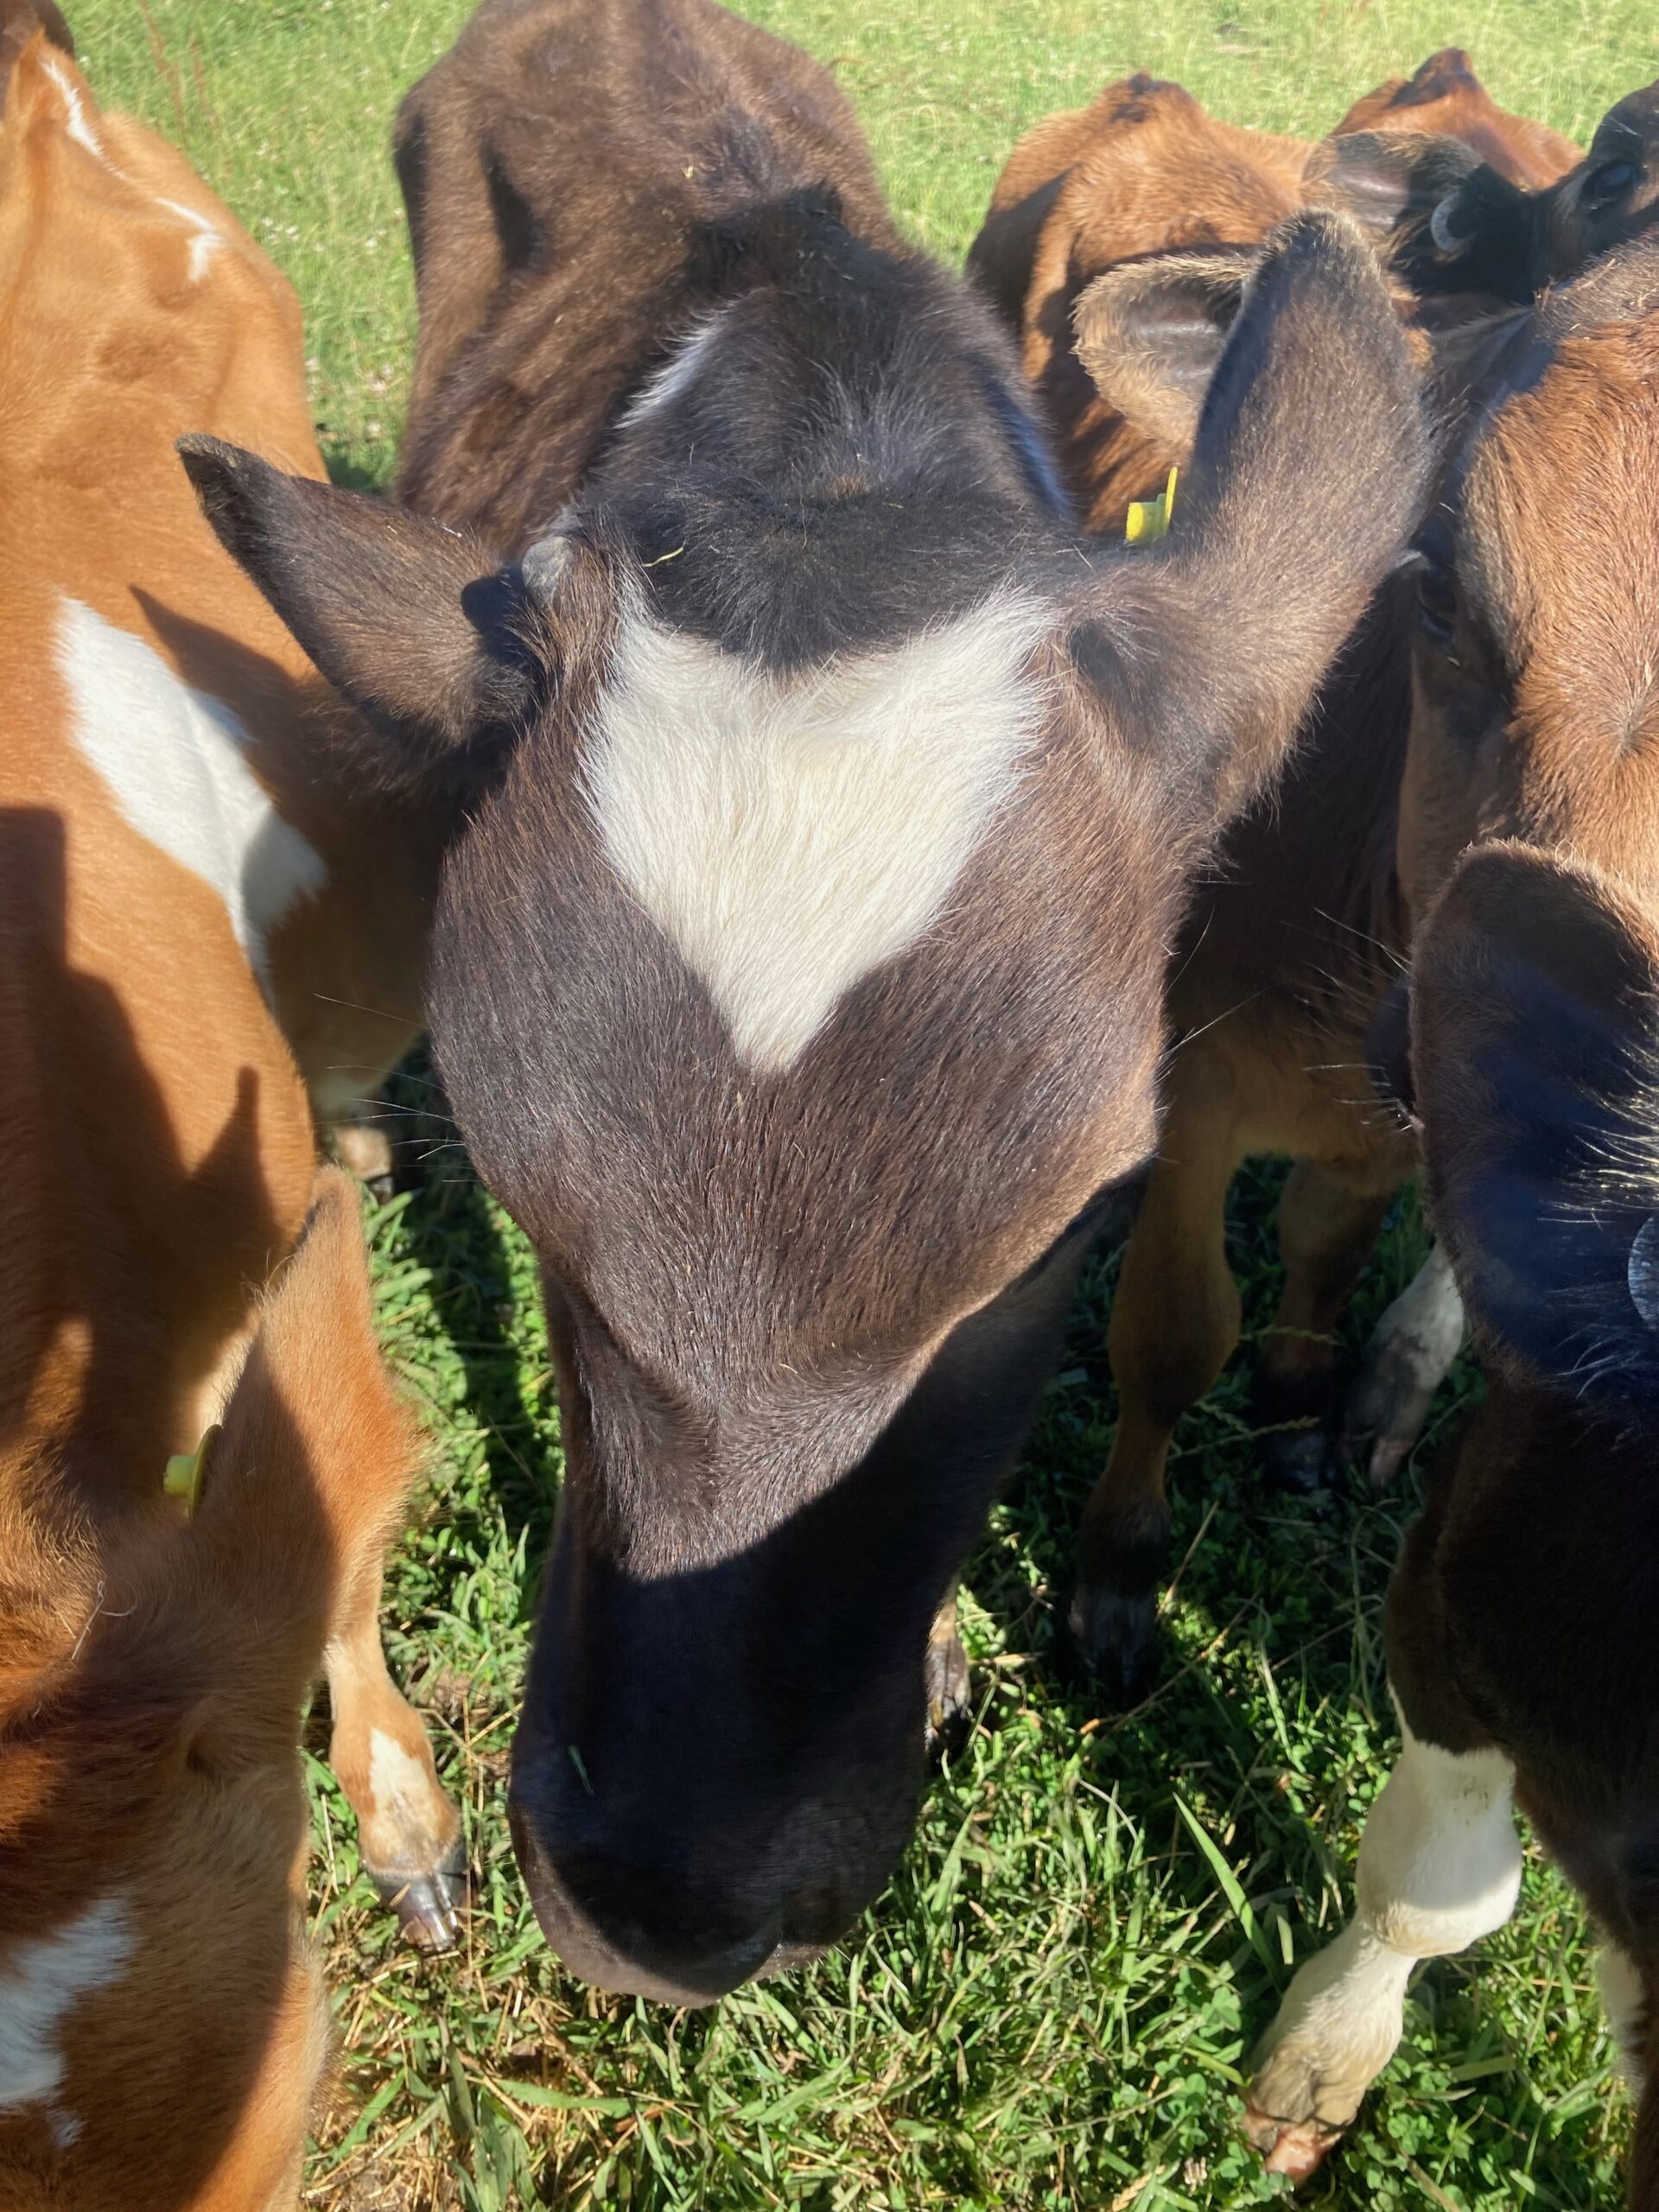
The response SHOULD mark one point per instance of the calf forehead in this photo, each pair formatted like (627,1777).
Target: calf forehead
(819,995)
(789,837)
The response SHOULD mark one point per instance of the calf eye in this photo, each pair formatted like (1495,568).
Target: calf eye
(1437,604)
(1610,182)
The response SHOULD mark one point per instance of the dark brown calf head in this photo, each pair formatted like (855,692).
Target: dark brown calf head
(1535,1057)
(1523,1607)
(163,2023)
(797,987)
(1535,711)
(1502,234)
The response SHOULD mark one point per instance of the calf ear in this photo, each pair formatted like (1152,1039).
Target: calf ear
(306,1481)
(1390,182)
(1150,333)
(1305,482)
(1536,1057)
(431,640)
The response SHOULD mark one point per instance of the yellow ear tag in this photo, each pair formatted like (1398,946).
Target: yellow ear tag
(1148,519)
(186,1470)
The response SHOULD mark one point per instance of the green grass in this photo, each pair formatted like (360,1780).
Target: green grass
(1050,2005)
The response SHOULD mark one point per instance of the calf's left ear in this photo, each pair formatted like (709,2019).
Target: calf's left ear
(1534,1054)
(1150,332)
(415,624)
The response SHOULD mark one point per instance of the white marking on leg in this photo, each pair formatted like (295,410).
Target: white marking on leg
(401,1785)
(42,1980)
(1626,2004)
(174,762)
(1410,1353)
(1440,1867)
(789,835)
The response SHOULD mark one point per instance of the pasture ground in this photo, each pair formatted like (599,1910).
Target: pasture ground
(1050,2006)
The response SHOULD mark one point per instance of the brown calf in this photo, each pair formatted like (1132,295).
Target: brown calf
(182,909)
(1145,170)
(799,972)
(1285,958)
(162,2022)
(1520,1631)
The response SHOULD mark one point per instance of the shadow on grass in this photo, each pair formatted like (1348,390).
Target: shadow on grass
(479,1296)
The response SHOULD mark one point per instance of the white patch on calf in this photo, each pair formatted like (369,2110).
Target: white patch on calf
(665,386)
(204,243)
(1626,2001)
(75,120)
(1409,1356)
(1440,1867)
(398,1780)
(1439,1863)
(175,762)
(42,1980)
(790,834)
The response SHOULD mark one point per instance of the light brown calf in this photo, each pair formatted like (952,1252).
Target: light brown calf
(162,2022)
(1286,957)
(1146,170)
(184,909)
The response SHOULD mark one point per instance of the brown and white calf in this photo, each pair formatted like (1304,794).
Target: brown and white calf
(182,903)
(798,973)
(163,2024)
(1519,1622)
(1289,952)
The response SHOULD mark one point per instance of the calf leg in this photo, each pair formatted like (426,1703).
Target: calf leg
(1625,2000)
(409,1832)
(1438,1867)
(1174,1325)
(1410,1355)
(947,1681)
(1329,1217)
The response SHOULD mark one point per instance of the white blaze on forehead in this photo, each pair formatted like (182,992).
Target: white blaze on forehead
(790,834)
(174,761)
(42,1978)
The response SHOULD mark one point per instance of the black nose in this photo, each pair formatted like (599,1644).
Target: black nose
(620,1949)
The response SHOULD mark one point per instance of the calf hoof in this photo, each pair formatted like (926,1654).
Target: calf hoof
(1296,2147)
(1114,1636)
(1299,1461)
(949,1704)
(429,1906)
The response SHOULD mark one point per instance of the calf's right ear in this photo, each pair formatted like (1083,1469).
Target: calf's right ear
(1535,1058)
(415,624)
